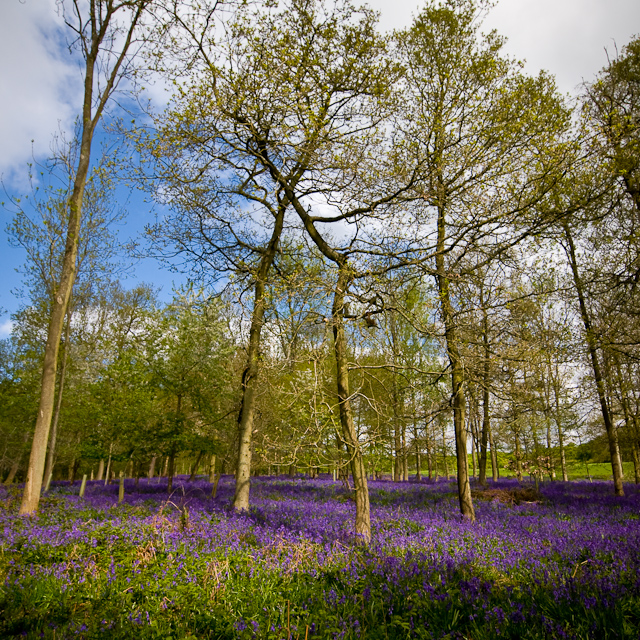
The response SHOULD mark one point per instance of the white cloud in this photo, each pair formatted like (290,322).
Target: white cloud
(565,37)
(39,83)
(5,329)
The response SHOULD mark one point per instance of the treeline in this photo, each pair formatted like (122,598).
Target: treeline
(421,248)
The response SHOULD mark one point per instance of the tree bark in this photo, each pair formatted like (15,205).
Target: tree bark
(592,347)
(349,435)
(171,469)
(106,475)
(457,373)
(444,453)
(495,471)
(563,457)
(518,451)
(251,371)
(13,471)
(92,43)
(192,477)
(212,468)
(486,372)
(56,416)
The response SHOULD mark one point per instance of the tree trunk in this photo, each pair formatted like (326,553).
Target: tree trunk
(495,471)
(563,457)
(171,469)
(212,467)
(518,454)
(405,455)
(251,371)
(152,468)
(636,461)
(35,470)
(15,467)
(12,472)
(473,457)
(416,444)
(397,466)
(428,446)
(552,468)
(56,416)
(106,475)
(349,435)
(457,373)
(486,373)
(73,469)
(100,470)
(612,435)
(192,477)
(444,453)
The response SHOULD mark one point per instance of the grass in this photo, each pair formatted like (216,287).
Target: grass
(560,562)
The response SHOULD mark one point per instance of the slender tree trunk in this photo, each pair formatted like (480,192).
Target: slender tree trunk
(473,458)
(212,467)
(152,467)
(106,475)
(428,446)
(192,477)
(552,467)
(457,372)
(56,416)
(15,467)
(92,108)
(563,457)
(251,371)
(13,471)
(416,444)
(495,471)
(612,435)
(405,455)
(171,469)
(516,437)
(444,453)
(397,467)
(349,435)
(486,373)
(100,470)
(630,419)
(636,461)
(35,470)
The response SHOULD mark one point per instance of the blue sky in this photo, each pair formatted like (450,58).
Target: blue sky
(40,87)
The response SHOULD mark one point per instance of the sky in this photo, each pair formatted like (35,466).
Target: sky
(40,87)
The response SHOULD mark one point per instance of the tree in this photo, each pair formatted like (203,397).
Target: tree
(492,139)
(38,226)
(284,99)
(188,362)
(106,38)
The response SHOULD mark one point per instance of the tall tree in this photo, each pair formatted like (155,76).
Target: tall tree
(283,100)
(492,138)
(107,37)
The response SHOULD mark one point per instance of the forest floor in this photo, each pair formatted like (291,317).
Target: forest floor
(558,562)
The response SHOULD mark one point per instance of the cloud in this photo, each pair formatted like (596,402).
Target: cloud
(5,328)
(39,83)
(566,37)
